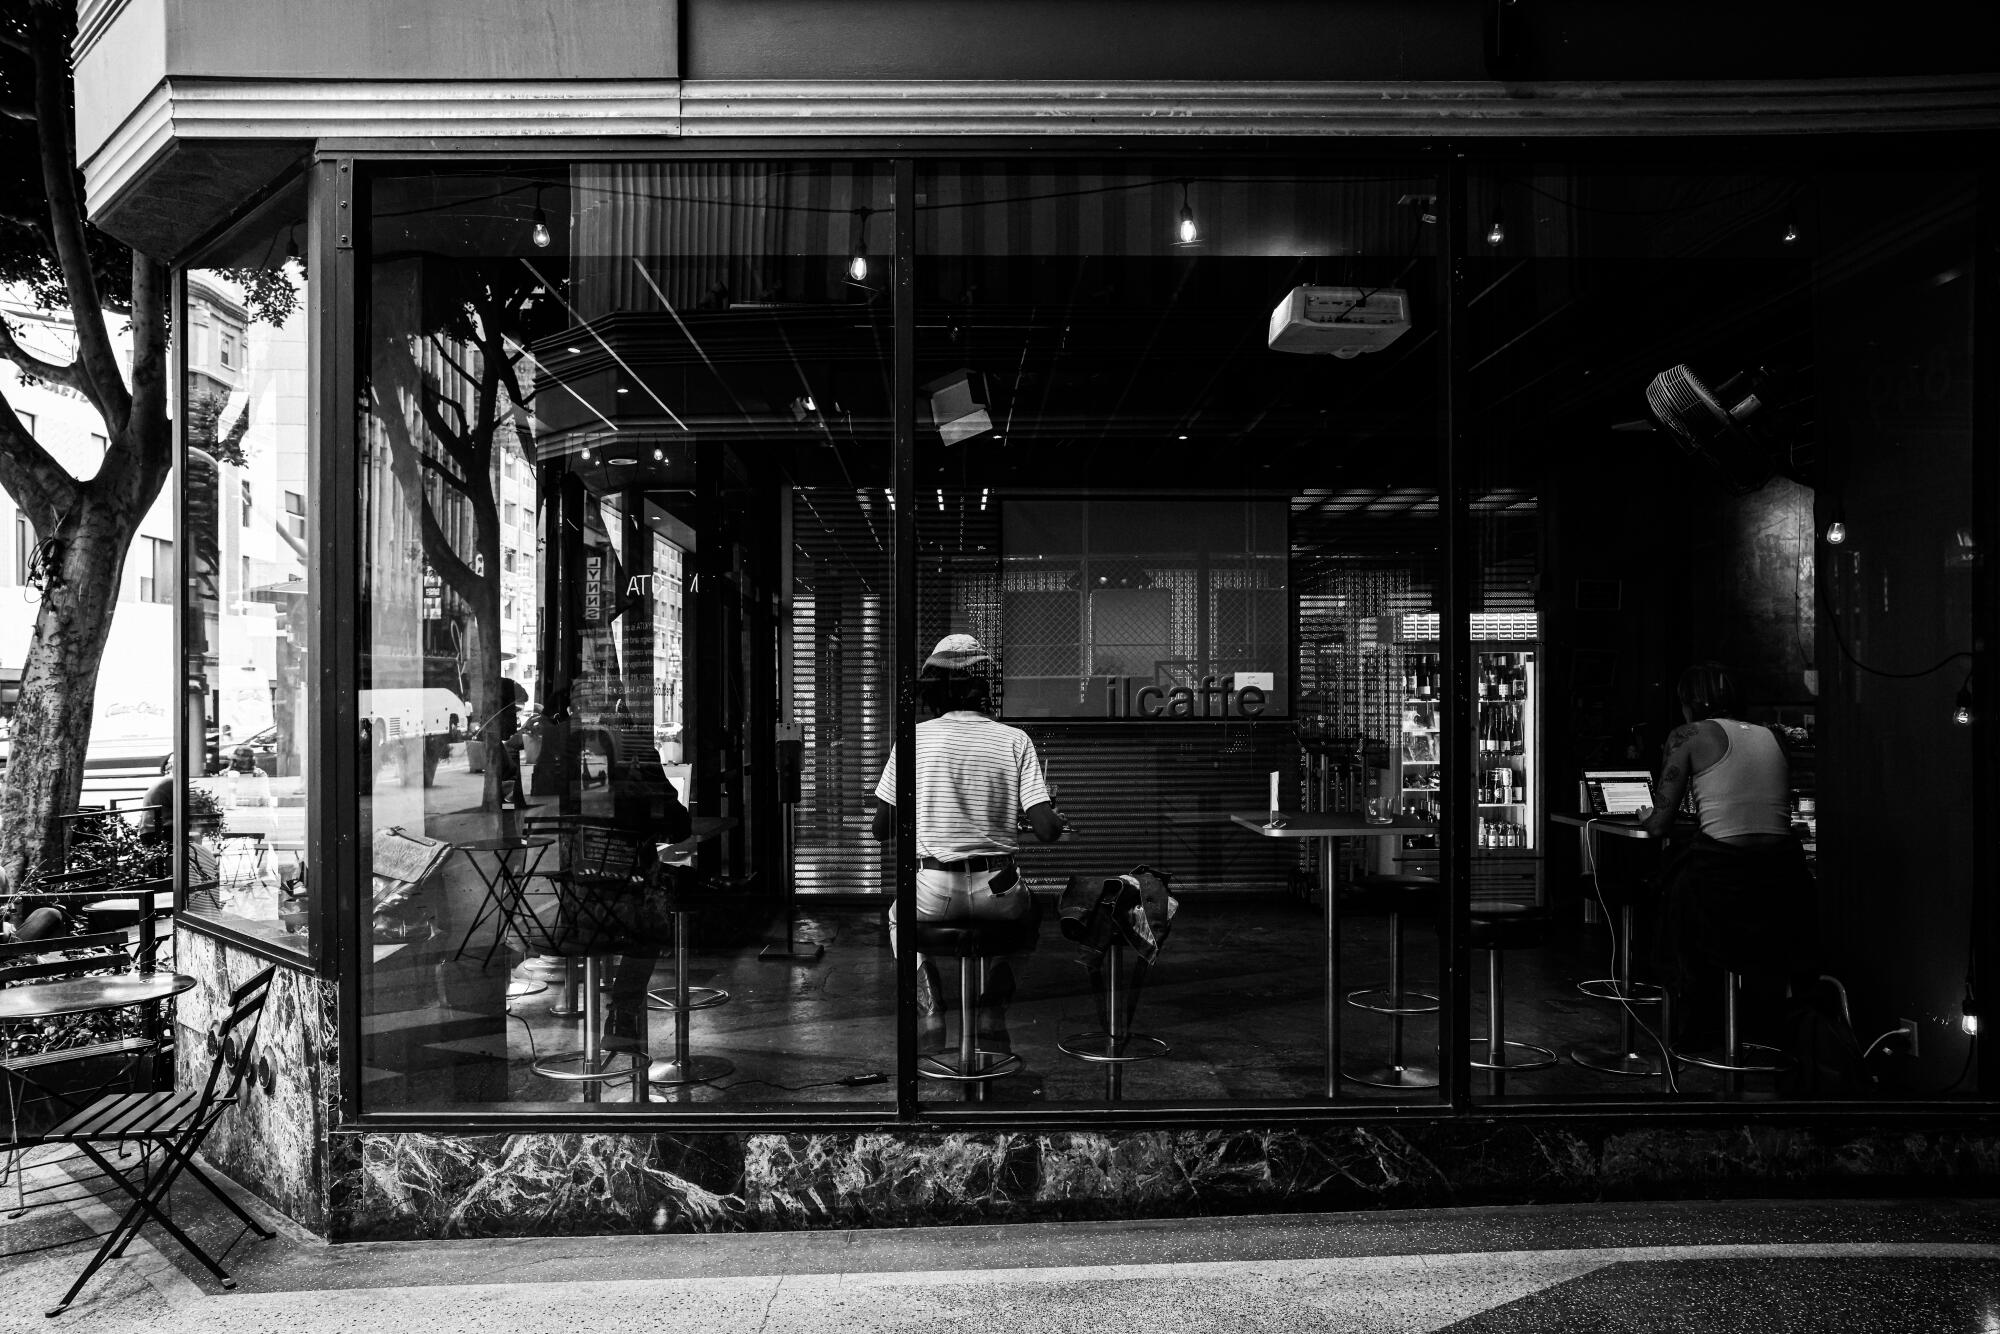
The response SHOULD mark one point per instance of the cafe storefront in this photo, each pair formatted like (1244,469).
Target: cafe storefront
(1339,479)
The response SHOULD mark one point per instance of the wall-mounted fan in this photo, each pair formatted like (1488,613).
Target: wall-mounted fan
(1731,427)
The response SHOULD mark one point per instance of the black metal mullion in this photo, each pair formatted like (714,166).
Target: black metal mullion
(335,203)
(1461,578)
(903,655)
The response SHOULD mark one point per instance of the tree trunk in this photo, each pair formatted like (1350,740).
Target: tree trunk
(51,727)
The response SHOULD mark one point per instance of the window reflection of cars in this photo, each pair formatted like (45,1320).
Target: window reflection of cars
(263,748)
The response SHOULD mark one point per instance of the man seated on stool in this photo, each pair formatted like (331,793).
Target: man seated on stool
(1737,897)
(976,778)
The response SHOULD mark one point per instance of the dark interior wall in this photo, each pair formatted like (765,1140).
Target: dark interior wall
(1750,573)
(1893,334)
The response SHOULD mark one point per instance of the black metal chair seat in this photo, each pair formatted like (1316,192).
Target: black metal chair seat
(1508,926)
(982,938)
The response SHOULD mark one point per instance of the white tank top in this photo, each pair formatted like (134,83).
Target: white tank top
(1748,791)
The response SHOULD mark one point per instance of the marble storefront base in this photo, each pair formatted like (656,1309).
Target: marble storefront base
(401,1186)
(273,1141)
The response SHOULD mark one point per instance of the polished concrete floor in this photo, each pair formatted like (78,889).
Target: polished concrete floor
(1773,1267)
(1237,994)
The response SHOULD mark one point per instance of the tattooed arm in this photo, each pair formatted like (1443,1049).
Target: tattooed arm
(1681,748)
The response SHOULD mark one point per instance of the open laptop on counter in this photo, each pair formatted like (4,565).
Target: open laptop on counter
(1617,794)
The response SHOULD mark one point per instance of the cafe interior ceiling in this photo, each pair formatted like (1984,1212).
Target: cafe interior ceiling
(710,303)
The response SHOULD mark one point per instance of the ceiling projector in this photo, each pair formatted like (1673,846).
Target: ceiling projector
(1339,321)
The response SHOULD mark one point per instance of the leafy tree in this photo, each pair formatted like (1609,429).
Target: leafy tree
(85,525)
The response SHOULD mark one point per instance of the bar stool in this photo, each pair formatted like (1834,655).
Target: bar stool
(1626,1058)
(973,941)
(682,1000)
(1115,1046)
(1398,894)
(1497,928)
(1738,1058)
(607,863)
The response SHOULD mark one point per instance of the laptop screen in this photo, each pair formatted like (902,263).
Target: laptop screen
(1618,791)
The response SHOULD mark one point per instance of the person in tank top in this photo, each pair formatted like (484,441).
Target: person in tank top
(1737,896)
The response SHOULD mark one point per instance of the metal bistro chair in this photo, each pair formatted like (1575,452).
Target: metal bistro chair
(176,1123)
(26,1076)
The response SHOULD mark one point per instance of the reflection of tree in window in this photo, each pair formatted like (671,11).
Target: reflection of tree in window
(445,388)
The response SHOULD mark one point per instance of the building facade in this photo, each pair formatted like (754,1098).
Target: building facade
(1360,410)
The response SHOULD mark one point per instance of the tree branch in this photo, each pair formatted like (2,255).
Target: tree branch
(42,487)
(451,479)
(151,288)
(103,384)
(70,376)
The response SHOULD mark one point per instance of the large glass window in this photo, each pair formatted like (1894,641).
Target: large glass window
(1720,435)
(1177,446)
(248,571)
(587,820)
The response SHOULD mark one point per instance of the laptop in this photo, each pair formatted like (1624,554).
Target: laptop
(1615,792)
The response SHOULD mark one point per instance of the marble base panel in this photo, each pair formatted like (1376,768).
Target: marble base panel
(273,1142)
(407,1186)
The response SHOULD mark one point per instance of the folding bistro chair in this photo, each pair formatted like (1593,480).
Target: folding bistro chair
(176,1123)
(29,1078)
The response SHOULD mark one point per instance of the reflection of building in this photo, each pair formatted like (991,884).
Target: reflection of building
(258,552)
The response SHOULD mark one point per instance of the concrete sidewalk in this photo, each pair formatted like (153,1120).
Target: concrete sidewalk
(1771,1267)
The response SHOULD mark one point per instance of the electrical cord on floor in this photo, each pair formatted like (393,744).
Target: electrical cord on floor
(1666,1054)
(845,1081)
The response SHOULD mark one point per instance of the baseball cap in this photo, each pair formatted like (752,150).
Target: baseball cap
(956,653)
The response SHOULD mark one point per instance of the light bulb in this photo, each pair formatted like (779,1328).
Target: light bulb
(1188,233)
(1961,712)
(540,236)
(659,455)
(1496,231)
(1968,1023)
(1791,234)
(857,268)
(807,401)
(1836,533)
(586,454)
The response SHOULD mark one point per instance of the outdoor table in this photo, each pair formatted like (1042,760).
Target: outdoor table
(1329,826)
(86,995)
(506,894)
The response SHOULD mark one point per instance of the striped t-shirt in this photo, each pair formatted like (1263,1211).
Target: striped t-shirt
(974,778)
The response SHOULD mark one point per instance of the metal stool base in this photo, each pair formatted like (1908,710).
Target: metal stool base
(1612,1061)
(1386,1005)
(1395,1077)
(943,1064)
(1632,993)
(695,1070)
(1753,1058)
(570,1067)
(1106,1049)
(1543,1058)
(699,998)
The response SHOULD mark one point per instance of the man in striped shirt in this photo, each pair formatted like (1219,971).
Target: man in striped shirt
(976,778)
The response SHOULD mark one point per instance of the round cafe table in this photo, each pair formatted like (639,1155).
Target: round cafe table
(84,995)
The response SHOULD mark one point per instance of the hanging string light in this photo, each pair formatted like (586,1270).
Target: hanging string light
(540,235)
(857,263)
(1496,230)
(1185,232)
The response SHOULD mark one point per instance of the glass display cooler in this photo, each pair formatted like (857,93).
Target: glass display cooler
(1505,831)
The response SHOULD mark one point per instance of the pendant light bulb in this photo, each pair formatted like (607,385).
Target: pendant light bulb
(857,264)
(540,233)
(857,268)
(1496,230)
(1185,232)
(1836,533)
(1790,235)
(1961,712)
(1968,1016)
